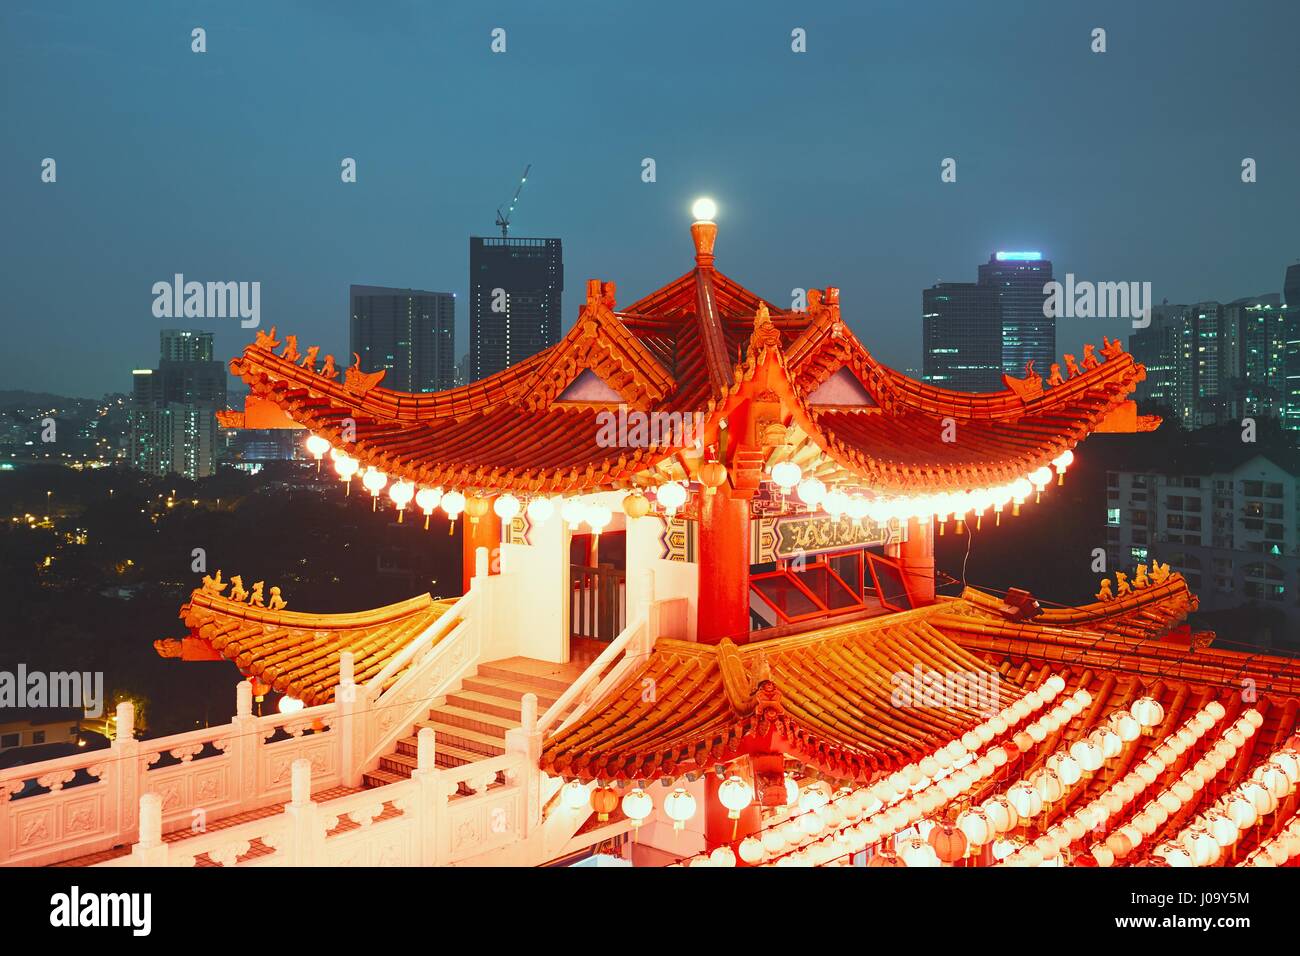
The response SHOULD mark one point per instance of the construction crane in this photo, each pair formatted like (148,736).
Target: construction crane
(504,220)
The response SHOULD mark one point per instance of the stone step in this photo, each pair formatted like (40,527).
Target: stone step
(487,704)
(380,778)
(448,734)
(484,723)
(555,677)
(445,755)
(509,689)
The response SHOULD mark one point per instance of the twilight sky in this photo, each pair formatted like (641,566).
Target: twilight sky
(1122,166)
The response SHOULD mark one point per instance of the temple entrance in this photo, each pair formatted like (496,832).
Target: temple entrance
(825,585)
(597,586)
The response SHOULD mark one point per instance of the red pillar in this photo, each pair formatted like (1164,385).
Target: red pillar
(723,608)
(916,556)
(485,533)
(719,829)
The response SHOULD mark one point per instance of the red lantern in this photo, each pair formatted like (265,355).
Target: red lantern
(949,843)
(604,800)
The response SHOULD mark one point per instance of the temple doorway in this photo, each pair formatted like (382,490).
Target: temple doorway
(598,584)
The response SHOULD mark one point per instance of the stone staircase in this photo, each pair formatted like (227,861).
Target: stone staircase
(471,725)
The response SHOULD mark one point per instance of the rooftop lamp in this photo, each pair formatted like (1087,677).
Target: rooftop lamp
(704,209)
(427,499)
(401,492)
(317,447)
(290,705)
(374,481)
(786,474)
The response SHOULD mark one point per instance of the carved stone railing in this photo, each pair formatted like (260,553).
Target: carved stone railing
(428,820)
(85,803)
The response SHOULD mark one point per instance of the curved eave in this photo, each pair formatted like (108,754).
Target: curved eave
(297,653)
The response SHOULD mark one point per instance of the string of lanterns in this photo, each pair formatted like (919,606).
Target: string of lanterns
(833,826)
(1218,830)
(672,496)
(1086,756)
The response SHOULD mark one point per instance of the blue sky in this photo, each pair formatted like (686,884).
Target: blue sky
(1122,166)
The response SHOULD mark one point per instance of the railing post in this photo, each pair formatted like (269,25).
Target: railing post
(150,850)
(126,773)
(245,747)
(526,740)
(345,699)
(306,830)
(430,799)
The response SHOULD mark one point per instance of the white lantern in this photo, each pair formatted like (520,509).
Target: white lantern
(453,503)
(679,806)
(290,705)
(812,491)
(598,517)
(637,806)
(735,794)
(671,496)
(1147,711)
(317,446)
(573,512)
(506,507)
(401,492)
(786,474)
(428,499)
(576,795)
(750,850)
(722,856)
(540,510)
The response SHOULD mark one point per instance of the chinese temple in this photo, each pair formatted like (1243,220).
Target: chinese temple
(700,611)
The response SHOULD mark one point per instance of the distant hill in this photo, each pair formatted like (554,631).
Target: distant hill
(10,398)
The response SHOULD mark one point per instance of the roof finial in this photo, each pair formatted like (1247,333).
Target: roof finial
(704,231)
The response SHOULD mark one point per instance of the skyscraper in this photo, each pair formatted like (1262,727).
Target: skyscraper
(173,407)
(973,332)
(1291,287)
(409,332)
(1027,334)
(515,288)
(962,337)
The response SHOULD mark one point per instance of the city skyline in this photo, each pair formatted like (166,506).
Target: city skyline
(1080,167)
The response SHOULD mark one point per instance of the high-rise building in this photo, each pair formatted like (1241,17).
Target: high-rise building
(975,332)
(962,337)
(1211,362)
(186,345)
(409,332)
(173,407)
(1027,333)
(1291,286)
(1166,347)
(515,288)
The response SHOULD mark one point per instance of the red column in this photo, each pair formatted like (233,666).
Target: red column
(719,829)
(485,533)
(723,609)
(916,556)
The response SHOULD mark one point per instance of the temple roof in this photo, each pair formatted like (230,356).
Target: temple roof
(701,344)
(828,701)
(297,654)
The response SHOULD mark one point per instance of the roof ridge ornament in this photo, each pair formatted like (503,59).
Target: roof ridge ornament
(704,231)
